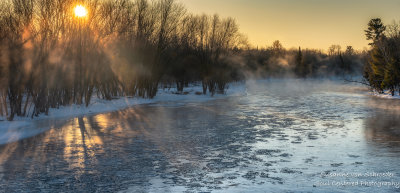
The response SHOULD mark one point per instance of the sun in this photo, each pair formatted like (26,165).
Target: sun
(80,11)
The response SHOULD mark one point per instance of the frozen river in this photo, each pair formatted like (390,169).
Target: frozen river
(301,136)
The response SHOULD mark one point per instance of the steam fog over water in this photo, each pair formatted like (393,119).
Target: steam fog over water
(288,135)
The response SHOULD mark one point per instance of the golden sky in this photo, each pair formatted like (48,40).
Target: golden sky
(306,23)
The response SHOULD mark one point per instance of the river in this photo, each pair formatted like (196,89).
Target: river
(282,135)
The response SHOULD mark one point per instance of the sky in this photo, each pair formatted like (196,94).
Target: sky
(307,23)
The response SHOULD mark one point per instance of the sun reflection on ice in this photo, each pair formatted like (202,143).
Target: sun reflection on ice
(81,143)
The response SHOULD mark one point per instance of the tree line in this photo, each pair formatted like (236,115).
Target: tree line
(382,71)
(50,58)
(277,61)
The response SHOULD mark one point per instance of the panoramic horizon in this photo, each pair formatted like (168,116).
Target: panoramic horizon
(166,96)
(315,24)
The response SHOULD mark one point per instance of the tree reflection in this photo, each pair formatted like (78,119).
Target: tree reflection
(383,124)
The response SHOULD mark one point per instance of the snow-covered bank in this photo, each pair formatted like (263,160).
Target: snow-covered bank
(20,128)
(386,95)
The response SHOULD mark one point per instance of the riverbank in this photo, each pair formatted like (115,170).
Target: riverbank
(386,95)
(24,127)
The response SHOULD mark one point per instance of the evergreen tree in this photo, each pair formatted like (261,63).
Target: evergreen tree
(375,30)
(300,67)
(377,65)
(391,77)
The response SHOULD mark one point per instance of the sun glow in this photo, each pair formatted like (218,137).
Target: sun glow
(80,11)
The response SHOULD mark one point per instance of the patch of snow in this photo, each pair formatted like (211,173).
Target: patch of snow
(386,95)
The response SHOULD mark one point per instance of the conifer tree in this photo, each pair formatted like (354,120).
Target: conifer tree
(300,68)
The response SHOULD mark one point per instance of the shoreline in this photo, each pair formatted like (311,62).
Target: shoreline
(25,127)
